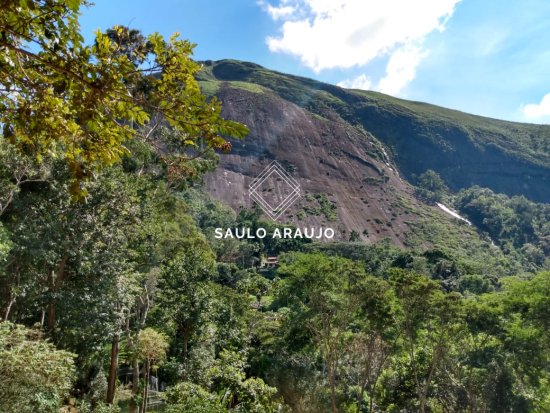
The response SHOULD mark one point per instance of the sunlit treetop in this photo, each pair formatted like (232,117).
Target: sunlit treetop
(61,98)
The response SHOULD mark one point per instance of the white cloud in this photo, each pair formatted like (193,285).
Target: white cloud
(278,12)
(538,110)
(401,69)
(328,34)
(360,82)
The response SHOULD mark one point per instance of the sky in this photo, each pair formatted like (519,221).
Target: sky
(486,57)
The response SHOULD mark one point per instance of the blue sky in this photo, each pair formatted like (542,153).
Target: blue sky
(486,57)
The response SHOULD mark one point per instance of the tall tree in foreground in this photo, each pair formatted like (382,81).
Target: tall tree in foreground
(431,321)
(316,288)
(82,102)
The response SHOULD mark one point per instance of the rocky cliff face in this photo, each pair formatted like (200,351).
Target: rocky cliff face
(342,184)
(353,152)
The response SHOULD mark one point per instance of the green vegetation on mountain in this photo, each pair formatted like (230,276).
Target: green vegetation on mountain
(466,150)
(430,186)
(318,204)
(517,224)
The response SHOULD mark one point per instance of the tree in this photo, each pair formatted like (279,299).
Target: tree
(229,390)
(152,347)
(316,289)
(36,377)
(255,284)
(114,243)
(186,397)
(525,334)
(165,235)
(375,340)
(431,320)
(85,102)
(235,390)
(17,170)
(431,186)
(185,296)
(354,236)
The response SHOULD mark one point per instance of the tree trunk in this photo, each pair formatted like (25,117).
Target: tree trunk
(360,398)
(133,408)
(55,283)
(113,368)
(11,286)
(51,303)
(422,407)
(146,386)
(185,347)
(185,329)
(42,319)
(333,396)
(332,387)
(8,309)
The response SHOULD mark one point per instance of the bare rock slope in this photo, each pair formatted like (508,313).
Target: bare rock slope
(349,175)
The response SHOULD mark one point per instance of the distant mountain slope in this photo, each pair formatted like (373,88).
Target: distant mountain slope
(353,154)
(466,150)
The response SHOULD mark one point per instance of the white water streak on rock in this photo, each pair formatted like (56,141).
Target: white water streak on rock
(453,213)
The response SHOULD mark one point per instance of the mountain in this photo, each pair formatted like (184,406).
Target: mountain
(354,153)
